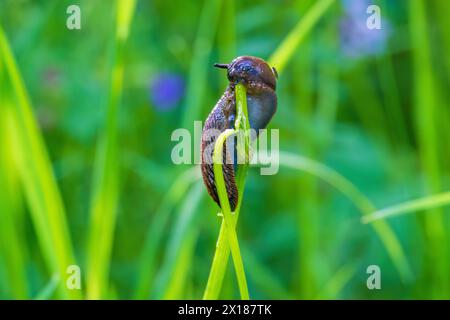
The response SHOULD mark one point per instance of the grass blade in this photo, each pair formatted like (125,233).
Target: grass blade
(427,111)
(11,240)
(338,281)
(47,292)
(287,48)
(363,204)
(226,211)
(220,259)
(426,203)
(263,278)
(37,178)
(147,264)
(105,186)
(179,250)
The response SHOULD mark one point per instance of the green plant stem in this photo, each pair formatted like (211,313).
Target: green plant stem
(220,260)
(226,211)
(222,252)
(219,265)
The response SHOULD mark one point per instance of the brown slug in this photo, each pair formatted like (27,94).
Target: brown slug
(260,82)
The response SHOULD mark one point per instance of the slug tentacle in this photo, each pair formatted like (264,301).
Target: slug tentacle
(260,82)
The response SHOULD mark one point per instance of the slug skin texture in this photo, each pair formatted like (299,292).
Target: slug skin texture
(259,80)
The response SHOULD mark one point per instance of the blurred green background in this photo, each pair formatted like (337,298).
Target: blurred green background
(86,175)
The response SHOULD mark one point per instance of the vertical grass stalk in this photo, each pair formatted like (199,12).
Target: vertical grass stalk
(105,186)
(36,177)
(426,113)
(221,255)
(286,49)
(227,216)
(12,246)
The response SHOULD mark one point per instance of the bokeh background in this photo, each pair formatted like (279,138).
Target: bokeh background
(86,175)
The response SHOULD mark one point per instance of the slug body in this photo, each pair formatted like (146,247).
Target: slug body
(260,83)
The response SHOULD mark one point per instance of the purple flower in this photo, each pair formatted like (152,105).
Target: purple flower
(166,90)
(357,40)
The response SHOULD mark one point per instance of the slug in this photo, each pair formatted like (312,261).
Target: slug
(259,80)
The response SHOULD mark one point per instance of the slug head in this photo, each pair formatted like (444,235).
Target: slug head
(247,69)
